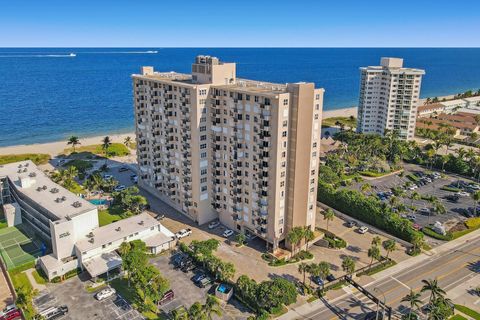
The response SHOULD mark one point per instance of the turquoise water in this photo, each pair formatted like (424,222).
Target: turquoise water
(48,95)
(98,202)
(223,288)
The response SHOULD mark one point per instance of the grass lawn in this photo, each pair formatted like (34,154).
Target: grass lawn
(112,214)
(115,150)
(347,121)
(37,158)
(458,317)
(20,279)
(469,312)
(38,277)
(81,165)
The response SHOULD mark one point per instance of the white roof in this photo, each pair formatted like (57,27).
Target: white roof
(34,184)
(472,99)
(116,231)
(102,263)
(454,102)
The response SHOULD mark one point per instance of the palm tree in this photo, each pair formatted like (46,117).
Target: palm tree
(476,199)
(179,314)
(308,235)
(435,290)
(74,141)
(373,253)
(328,215)
(302,269)
(413,298)
(389,246)
(106,143)
(323,269)
(212,307)
(415,196)
(348,265)
(127,141)
(376,241)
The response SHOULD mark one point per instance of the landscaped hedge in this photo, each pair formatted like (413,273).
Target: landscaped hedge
(429,232)
(367,209)
(333,240)
(473,223)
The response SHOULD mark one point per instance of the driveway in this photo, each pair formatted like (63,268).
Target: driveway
(81,304)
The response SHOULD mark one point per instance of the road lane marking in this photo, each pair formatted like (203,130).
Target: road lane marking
(403,284)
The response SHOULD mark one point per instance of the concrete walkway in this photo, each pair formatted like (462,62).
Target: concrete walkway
(35,285)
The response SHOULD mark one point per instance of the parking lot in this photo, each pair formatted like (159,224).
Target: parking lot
(423,214)
(81,304)
(187,293)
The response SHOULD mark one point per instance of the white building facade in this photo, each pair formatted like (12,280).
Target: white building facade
(389,97)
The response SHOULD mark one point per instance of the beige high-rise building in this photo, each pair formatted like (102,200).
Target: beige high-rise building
(389,97)
(216,146)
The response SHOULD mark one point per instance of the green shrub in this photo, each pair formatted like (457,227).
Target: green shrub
(39,276)
(373,174)
(429,232)
(377,268)
(451,189)
(412,177)
(367,209)
(473,223)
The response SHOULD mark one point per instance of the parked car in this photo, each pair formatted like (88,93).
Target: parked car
(61,162)
(53,313)
(412,217)
(119,188)
(198,277)
(183,233)
(462,194)
(187,266)
(123,169)
(416,226)
(107,176)
(104,294)
(167,297)
(204,282)
(318,281)
(331,277)
(452,197)
(213,224)
(8,308)
(12,314)
(424,210)
(374,316)
(351,224)
(362,230)
(228,233)
(177,259)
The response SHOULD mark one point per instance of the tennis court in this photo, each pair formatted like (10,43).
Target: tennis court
(17,247)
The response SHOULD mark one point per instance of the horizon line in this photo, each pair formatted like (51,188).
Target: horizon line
(240,47)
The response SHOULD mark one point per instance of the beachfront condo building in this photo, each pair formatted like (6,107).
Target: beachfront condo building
(389,97)
(216,146)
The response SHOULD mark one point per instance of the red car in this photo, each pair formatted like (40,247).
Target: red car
(416,227)
(14,314)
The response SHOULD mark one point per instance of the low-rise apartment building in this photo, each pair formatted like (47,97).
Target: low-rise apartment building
(389,96)
(67,224)
(216,146)
(463,123)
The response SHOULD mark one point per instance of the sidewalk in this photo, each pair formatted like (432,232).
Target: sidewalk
(431,255)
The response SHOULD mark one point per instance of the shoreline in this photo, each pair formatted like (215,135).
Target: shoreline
(56,147)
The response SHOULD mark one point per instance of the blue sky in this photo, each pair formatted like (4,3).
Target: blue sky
(240,23)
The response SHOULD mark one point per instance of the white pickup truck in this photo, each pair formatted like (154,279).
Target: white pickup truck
(183,233)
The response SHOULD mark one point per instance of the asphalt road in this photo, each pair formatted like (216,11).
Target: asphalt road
(451,269)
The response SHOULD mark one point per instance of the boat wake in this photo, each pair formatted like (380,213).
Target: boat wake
(121,52)
(71,55)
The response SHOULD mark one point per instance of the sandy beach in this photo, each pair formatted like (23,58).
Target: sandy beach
(344,112)
(55,148)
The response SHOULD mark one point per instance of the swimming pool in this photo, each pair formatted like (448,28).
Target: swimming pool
(223,288)
(98,202)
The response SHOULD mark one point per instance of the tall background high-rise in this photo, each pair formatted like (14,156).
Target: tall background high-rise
(213,145)
(389,96)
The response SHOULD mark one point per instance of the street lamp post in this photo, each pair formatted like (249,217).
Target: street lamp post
(384,303)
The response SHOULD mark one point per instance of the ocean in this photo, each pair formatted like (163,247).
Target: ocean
(47,94)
